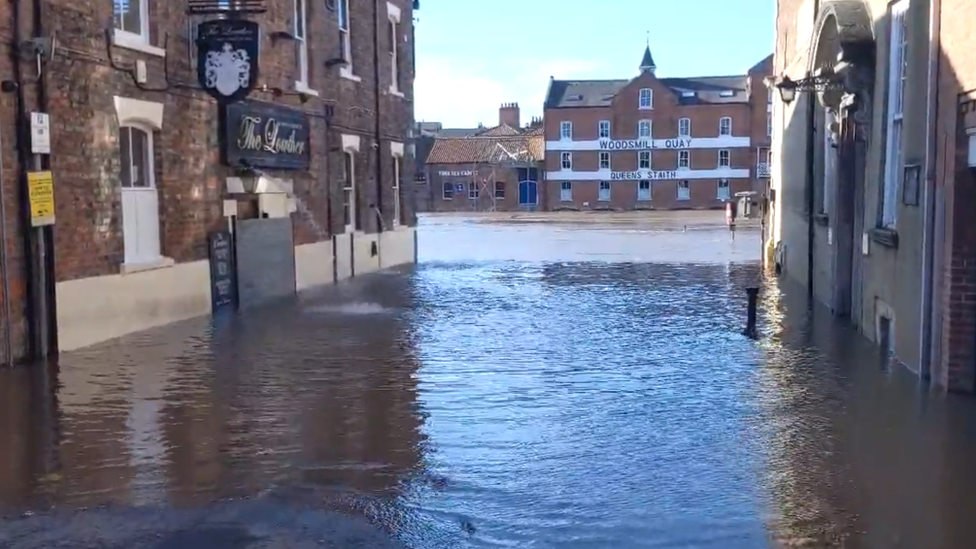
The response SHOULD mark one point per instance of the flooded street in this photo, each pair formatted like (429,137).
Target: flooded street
(527,385)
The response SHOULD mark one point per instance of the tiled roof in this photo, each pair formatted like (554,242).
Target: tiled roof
(690,90)
(487,149)
(499,131)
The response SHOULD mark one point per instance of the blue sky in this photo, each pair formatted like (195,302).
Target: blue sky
(474,55)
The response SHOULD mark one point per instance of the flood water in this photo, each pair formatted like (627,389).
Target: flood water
(527,385)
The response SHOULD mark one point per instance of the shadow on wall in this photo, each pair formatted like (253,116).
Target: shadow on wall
(859,455)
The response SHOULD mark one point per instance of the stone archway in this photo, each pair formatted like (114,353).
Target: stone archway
(843,43)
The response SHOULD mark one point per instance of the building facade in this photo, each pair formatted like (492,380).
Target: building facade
(872,178)
(146,165)
(487,169)
(656,143)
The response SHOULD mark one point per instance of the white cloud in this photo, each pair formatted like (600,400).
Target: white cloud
(463,92)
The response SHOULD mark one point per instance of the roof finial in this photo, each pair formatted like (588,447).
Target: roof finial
(648,39)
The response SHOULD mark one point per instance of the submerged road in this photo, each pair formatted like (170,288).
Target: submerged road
(575,385)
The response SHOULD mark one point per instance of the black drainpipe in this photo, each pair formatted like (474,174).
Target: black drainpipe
(377,209)
(23,161)
(811,195)
(50,286)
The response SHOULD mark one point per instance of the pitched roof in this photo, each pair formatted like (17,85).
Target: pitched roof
(487,149)
(690,90)
(499,131)
(647,62)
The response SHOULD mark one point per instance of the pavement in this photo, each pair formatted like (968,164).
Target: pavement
(679,218)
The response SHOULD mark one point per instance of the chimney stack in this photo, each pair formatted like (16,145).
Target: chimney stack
(508,114)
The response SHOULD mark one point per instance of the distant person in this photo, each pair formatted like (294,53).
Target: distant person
(730,213)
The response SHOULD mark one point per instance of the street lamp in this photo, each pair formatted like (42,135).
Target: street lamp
(787,90)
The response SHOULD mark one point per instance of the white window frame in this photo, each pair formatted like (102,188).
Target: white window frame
(397,153)
(497,188)
(474,193)
(345,40)
(603,124)
(349,190)
(645,99)
(686,131)
(447,188)
(895,136)
(643,160)
(604,192)
(685,186)
(644,129)
(393,19)
(300,31)
(566,130)
(723,184)
(644,195)
(725,126)
(566,160)
(684,159)
(769,124)
(604,160)
(136,40)
(147,234)
(566,191)
(724,159)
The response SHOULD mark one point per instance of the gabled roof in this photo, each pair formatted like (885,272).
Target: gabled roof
(499,131)
(486,149)
(690,90)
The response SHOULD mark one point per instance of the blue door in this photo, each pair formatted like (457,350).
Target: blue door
(528,193)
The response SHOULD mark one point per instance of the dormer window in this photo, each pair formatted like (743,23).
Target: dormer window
(646,98)
(726,93)
(687,94)
(574,97)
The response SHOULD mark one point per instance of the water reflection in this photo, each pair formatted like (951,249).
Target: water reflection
(186,415)
(577,399)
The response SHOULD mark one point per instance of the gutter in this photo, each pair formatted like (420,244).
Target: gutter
(810,171)
(933,243)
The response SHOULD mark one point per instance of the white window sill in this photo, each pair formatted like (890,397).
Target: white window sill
(147,265)
(396,92)
(346,72)
(645,108)
(135,42)
(302,87)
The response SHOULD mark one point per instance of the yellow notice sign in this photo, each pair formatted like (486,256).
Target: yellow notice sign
(41,186)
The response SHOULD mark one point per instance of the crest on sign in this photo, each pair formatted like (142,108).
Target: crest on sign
(227,58)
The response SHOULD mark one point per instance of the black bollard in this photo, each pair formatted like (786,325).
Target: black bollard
(750,330)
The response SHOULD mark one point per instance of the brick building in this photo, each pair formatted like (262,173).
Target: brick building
(655,143)
(487,169)
(145,164)
(873,172)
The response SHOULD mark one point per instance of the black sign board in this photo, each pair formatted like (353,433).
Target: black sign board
(223,274)
(263,135)
(227,58)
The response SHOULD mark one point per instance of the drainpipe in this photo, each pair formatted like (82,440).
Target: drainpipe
(33,267)
(376,137)
(932,238)
(45,235)
(7,339)
(810,173)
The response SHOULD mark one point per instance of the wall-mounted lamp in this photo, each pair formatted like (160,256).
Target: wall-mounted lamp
(248,177)
(788,88)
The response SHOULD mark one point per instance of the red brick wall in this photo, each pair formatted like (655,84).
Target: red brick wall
(624,116)
(81,85)
(486,200)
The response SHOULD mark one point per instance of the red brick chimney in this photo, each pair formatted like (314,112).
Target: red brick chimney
(508,113)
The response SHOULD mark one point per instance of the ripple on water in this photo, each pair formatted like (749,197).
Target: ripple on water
(522,392)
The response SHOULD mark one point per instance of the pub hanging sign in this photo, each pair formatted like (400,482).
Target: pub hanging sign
(264,135)
(227,58)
